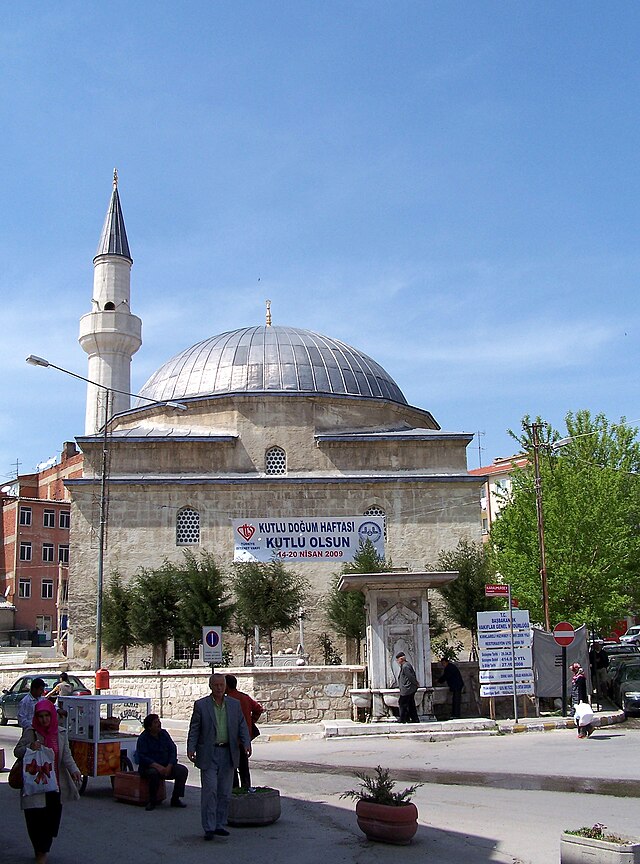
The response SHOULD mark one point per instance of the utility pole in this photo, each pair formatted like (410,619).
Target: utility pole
(535,440)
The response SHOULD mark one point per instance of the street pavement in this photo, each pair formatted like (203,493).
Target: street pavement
(472,806)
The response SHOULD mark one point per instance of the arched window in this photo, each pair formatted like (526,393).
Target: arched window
(275,461)
(187,527)
(109,307)
(378,511)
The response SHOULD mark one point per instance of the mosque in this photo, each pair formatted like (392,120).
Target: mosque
(264,431)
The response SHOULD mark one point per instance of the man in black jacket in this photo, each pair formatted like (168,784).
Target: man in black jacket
(408,684)
(453,679)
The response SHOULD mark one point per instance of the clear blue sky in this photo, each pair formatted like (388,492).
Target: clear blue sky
(450,187)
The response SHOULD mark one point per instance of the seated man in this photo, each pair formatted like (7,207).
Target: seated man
(157,757)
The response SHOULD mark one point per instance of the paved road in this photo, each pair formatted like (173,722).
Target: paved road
(474,824)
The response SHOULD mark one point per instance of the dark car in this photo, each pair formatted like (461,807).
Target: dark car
(618,655)
(625,686)
(11,699)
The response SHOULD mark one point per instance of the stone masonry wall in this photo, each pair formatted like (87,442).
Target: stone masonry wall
(307,694)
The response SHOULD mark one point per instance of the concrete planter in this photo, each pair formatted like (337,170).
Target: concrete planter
(387,824)
(585,850)
(261,807)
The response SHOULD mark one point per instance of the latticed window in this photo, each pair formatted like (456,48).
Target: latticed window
(378,511)
(187,527)
(275,461)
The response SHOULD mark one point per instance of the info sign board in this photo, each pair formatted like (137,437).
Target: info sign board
(302,539)
(212,645)
(504,640)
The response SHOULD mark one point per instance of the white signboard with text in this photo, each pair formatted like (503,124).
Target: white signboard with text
(501,659)
(301,539)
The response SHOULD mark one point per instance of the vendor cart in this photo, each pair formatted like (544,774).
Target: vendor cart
(103,732)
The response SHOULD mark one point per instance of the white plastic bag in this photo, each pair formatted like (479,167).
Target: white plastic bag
(39,773)
(584,714)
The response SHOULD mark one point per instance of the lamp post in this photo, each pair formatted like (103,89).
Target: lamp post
(33,360)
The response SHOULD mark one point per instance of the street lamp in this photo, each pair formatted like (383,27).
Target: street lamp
(33,360)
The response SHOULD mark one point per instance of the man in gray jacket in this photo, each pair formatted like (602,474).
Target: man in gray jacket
(408,684)
(216,733)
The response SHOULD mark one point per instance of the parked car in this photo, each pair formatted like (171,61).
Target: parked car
(632,636)
(11,698)
(625,686)
(624,654)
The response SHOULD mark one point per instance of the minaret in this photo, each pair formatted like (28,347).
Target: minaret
(110,334)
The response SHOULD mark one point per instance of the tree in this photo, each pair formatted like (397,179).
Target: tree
(269,595)
(464,597)
(204,599)
(345,610)
(591,506)
(117,633)
(155,596)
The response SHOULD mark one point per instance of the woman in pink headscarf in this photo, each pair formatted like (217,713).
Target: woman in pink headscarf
(42,812)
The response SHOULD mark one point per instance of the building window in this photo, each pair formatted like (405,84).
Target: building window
(485,526)
(378,511)
(187,527)
(44,624)
(47,553)
(63,553)
(24,588)
(275,461)
(47,589)
(25,515)
(64,591)
(49,518)
(25,551)
(65,518)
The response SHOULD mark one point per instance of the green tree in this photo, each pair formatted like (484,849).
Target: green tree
(464,597)
(117,633)
(345,610)
(204,599)
(155,597)
(591,506)
(269,595)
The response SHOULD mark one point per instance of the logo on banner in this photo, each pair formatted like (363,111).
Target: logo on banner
(246,531)
(369,531)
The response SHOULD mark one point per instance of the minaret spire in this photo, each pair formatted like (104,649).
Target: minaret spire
(268,302)
(110,334)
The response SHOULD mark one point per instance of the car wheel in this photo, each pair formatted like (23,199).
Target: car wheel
(3,720)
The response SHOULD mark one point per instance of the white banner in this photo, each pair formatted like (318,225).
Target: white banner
(500,620)
(502,659)
(505,689)
(501,641)
(300,539)
(497,676)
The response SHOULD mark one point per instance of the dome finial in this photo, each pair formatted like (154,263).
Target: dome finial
(268,302)
(115,178)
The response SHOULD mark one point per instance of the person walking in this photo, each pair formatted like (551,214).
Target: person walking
(251,711)
(158,759)
(452,677)
(43,811)
(28,703)
(216,732)
(578,697)
(408,684)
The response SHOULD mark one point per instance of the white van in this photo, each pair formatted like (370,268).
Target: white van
(632,635)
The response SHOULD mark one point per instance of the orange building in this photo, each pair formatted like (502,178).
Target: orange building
(34,552)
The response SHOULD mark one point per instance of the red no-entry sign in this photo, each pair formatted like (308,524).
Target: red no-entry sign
(564,633)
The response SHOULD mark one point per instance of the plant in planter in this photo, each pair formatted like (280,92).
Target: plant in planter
(594,845)
(382,813)
(259,805)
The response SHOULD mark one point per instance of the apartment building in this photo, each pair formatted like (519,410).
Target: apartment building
(496,487)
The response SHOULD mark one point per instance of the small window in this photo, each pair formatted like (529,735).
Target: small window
(63,553)
(378,511)
(24,588)
(109,307)
(485,526)
(275,461)
(25,515)
(43,624)
(47,589)
(49,518)
(47,552)
(187,527)
(64,591)
(65,519)
(25,551)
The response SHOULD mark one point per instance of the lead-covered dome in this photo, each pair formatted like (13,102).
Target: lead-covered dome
(269,360)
